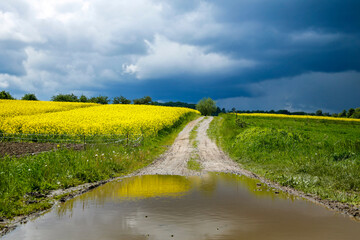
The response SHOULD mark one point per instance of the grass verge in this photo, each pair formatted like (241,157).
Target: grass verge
(193,164)
(25,181)
(319,157)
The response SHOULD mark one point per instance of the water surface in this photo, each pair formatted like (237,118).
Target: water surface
(215,206)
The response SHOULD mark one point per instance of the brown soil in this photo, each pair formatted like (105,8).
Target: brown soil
(31,148)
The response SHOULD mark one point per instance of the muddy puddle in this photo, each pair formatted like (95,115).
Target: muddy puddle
(215,206)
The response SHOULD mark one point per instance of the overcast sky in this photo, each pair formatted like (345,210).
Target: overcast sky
(248,54)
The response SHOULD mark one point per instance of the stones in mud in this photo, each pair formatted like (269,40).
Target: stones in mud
(31,201)
(36,194)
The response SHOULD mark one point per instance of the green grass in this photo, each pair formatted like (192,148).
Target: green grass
(193,164)
(320,157)
(193,132)
(19,177)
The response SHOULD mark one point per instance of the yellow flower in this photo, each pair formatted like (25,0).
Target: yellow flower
(297,116)
(80,119)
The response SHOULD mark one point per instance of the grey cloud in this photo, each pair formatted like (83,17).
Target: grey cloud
(11,61)
(224,48)
(331,92)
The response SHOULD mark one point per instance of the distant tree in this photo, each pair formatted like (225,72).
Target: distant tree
(65,98)
(5,95)
(326,114)
(334,115)
(116,100)
(272,111)
(350,112)
(217,112)
(121,100)
(83,98)
(206,106)
(145,100)
(283,111)
(342,114)
(29,96)
(176,104)
(298,113)
(319,112)
(100,99)
(223,110)
(356,114)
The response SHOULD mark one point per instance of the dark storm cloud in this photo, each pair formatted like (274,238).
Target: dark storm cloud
(292,37)
(295,14)
(183,50)
(307,92)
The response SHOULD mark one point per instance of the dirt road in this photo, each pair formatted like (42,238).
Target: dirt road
(211,158)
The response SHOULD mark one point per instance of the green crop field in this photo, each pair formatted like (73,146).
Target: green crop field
(317,156)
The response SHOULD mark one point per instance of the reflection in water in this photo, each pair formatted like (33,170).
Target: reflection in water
(215,206)
(134,188)
(152,186)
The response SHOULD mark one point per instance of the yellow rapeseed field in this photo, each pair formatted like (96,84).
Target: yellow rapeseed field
(297,116)
(96,120)
(12,108)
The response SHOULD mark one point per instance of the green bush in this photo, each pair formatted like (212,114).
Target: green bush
(83,98)
(30,97)
(206,106)
(5,95)
(121,100)
(100,99)
(65,98)
(145,100)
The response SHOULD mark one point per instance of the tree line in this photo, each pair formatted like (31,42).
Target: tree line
(206,106)
(146,100)
(27,96)
(73,98)
(351,113)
